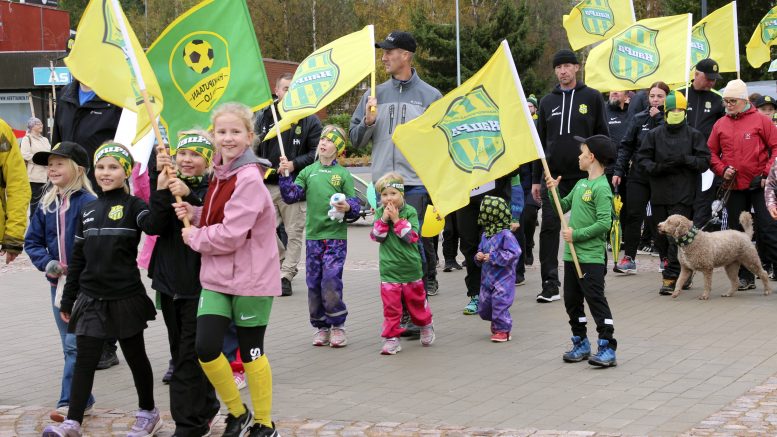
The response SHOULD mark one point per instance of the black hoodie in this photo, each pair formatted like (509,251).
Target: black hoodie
(563,115)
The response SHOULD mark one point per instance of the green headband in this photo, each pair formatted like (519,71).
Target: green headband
(197,144)
(338,140)
(399,186)
(118,152)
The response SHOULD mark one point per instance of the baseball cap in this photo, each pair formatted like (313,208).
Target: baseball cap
(765,100)
(710,69)
(398,40)
(601,146)
(66,149)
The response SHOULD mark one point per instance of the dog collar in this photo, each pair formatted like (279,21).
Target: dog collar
(687,238)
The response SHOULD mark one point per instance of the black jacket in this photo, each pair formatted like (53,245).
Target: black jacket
(105,251)
(299,142)
(704,109)
(89,125)
(617,121)
(673,157)
(174,268)
(561,116)
(637,127)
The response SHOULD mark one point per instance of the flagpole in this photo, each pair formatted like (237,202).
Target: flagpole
(278,132)
(688,51)
(130,53)
(372,75)
(541,153)
(736,39)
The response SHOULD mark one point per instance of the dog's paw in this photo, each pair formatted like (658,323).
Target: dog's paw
(767,292)
(726,294)
(675,294)
(704,297)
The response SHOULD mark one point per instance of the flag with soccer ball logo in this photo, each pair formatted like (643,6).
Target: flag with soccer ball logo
(208,55)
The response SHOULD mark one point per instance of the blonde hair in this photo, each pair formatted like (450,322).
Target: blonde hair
(239,110)
(51,192)
(393,176)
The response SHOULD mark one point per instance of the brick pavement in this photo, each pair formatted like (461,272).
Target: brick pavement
(685,366)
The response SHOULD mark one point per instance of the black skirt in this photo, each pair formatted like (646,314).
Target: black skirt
(109,319)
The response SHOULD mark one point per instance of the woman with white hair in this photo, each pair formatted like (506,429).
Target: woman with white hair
(32,143)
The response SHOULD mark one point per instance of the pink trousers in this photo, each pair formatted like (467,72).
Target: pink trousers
(414,296)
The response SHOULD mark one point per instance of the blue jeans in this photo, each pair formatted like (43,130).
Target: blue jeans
(69,351)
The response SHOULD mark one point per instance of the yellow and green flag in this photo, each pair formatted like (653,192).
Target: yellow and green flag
(715,36)
(208,55)
(591,21)
(650,50)
(764,37)
(476,133)
(327,74)
(102,58)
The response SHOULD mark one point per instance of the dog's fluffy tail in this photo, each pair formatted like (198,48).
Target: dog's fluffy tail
(746,220)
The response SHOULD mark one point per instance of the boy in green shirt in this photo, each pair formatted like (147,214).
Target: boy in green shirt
(590,203)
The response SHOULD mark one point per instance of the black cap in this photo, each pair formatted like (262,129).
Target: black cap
(67,149)
(710,69)
(766,100)
(398,40)
(564,56)
(601,146)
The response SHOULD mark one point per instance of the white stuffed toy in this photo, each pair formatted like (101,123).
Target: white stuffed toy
(333,213)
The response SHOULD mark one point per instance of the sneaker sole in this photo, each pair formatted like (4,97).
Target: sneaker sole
(572,360)
(543,299)
(394,352)
(601,364)
(665,293)
(321,344)
(338,345)
(501,340)
(624,271)
(429,343)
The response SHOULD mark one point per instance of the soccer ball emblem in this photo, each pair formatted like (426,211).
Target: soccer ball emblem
(198,55)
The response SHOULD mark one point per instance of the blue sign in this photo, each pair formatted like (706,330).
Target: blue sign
(45,76)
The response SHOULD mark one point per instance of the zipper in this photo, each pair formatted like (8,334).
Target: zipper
(404,111)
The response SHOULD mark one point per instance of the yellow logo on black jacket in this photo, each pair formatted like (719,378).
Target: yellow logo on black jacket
(116,212)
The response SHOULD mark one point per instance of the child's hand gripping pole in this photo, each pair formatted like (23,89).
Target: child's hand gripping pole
(278,132)
(564,226)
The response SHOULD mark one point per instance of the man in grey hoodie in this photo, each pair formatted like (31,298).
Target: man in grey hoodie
(398,100)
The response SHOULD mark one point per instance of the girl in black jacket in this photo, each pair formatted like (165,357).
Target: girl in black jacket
(174,271)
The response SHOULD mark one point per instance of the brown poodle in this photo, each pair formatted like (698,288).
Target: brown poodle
(707,250)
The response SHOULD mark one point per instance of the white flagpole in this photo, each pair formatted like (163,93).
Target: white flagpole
(130,54)
(687,51)
(540,152)
(736,39)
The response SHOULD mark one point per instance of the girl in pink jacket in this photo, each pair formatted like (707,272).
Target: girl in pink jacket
(235,233)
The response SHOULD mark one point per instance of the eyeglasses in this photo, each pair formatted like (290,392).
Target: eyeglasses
(730,101)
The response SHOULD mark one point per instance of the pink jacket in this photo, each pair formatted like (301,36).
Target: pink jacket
(238,247)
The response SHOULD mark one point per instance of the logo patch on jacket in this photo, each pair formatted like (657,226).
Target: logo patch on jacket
(336,180)
(116,212)
(587,195)
(583,109)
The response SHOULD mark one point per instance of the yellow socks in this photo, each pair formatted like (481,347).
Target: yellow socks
(259,378)
(219,373)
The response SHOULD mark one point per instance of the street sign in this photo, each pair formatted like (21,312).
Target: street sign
(45,76)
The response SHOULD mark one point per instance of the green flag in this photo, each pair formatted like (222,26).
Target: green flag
(208,55)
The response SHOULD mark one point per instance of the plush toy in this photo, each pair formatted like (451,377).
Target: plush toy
(333,213)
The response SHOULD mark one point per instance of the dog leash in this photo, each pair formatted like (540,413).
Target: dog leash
(721,198)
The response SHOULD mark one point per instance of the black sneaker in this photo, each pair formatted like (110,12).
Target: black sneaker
(432,287)
(260,430)
(667,287)
(109,359)
(520,280)
(237,426)
(285,287)
(410,330)
(169,374)
(528,259)
(746,284)
(549,293)
(450,265)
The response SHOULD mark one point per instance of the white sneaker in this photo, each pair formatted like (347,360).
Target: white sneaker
(240,380)
(391,346)
(321,337)
(337,338)
(427,335)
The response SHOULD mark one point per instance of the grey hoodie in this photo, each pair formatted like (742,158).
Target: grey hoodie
(398,103)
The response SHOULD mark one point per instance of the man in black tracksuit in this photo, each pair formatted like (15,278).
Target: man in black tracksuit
(705,107)
(84,118)
(617,111)
(571,109)
(299,143)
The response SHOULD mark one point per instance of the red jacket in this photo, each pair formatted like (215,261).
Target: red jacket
(745,143)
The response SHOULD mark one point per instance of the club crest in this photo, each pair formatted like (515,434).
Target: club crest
(634,54)
(768,26)
(116,212)
(597,16)
(700,45)
(314,79)
(200,69)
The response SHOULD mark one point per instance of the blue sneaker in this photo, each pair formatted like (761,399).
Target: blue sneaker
(472,306)
(626,265)
(581,350)
(605,356)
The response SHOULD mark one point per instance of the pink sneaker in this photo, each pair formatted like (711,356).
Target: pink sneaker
(501,337)
(391,346)
(68,428)
(321,337)
(427,335)
(240,379)
(337,338)
(147,423)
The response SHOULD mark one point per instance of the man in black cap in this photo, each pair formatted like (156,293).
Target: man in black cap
(398,100)
(571,109)
(705,107)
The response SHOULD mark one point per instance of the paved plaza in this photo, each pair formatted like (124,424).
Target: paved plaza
(684,366)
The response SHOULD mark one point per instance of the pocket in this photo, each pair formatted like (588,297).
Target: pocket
(222,270)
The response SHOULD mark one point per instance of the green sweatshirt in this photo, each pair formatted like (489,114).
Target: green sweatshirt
(400,261)
(590,203)
(320,182)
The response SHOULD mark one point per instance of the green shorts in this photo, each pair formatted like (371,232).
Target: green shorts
(246,311)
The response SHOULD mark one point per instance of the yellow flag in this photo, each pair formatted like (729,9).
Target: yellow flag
(650,50)
(715,37)
(327,74)
(592,21)
(102,58)
(764,36)
(476,133)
